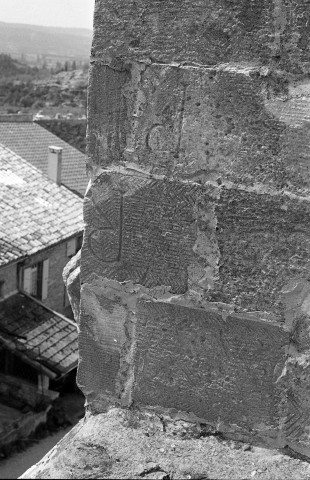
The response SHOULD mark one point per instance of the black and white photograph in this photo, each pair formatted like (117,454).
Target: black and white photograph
(155,239)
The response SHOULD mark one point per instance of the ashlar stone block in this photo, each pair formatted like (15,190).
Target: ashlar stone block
(154,232)
(175,120)
(221,368)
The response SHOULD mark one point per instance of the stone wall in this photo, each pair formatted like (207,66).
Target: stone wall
(194,268)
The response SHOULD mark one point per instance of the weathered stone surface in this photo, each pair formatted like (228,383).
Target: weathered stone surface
(107,121)
(71,277)
(153,232)
(140,444)
(194,271)
(223,368)
(204,31)
(100,349)
(176,121)
(264,243)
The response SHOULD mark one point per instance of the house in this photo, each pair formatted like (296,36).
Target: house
(38,348)
(36,343)
(41,227)
(31,141)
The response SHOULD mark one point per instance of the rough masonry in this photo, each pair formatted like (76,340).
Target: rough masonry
(195,286)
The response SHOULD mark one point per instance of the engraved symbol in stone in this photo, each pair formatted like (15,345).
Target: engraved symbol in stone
(105,241)
(156,139)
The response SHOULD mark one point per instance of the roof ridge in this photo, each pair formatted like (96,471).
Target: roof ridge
(36,169)
(29,164)
(30,141)
(58,138)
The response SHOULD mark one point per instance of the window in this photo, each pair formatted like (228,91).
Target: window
(74,245)
(79,242)
(35,280)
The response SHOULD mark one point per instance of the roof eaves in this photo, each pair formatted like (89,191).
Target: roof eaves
(57,314)
(10,345)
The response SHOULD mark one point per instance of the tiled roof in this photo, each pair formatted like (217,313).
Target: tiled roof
(31,142)
(8,252)
(34,331)
(35,212)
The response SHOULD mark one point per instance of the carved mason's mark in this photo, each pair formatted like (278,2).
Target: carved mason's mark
(105,241)
(141,229)
(181,119)
(156,138)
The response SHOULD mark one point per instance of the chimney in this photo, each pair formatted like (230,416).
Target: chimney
(54,164)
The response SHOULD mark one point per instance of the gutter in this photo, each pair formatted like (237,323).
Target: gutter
(38,366)
(28,255)
(47,308)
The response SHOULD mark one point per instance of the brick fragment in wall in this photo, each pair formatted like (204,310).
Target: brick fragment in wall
(207,32)
(154,232)
(231,123)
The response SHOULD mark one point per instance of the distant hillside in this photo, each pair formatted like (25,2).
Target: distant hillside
(31,40)
(10,67)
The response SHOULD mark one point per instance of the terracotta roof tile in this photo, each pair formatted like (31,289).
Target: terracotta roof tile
(31,142)
(26,226)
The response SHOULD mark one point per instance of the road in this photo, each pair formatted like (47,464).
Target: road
(17,464)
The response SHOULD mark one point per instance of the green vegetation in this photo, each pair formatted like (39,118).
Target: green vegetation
(10,67)
(27,95)
(71,131)
(60,89)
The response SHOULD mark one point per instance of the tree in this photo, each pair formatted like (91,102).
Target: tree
(26,101)
(58,67)
(85,67)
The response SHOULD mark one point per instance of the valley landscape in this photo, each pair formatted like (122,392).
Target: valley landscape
(44,73)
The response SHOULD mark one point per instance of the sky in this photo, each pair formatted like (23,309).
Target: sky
(53,13)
